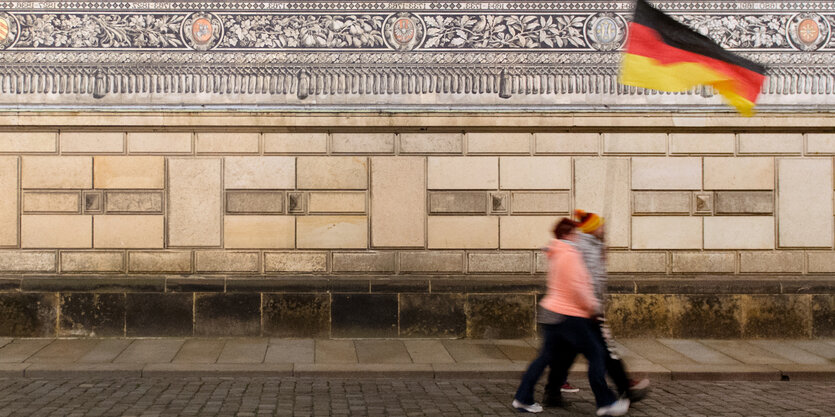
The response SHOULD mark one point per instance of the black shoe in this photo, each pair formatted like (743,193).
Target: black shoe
(638,390)
(554,400)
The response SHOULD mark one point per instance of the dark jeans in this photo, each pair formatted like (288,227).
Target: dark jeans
(560,345)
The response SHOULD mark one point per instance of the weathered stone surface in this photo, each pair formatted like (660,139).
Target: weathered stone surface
(661,202)
(313,142)
(704,262)
(254,202)
(129,172)
(494,142)
(259,172)
(820,143)
(463,173)
(92,315)
(194,202)
(159,261)
(433,315)
(8,200)
(739,173)
(28,142)
(703,203)
(458,202)
(463,232)
(519,262)
(744,202)
(398,202)
(227,315)
(52,202)
(92,262)
(337,202)
(295,261)
(92,142)
(702,143)
(191,284)
(133,202)
(539,202)
(770,143)
(332,232)
(601,185)
(525,232)
(642,315)
(541,262)
(226,261)
(362,142)
(823,315)
(706,316)
(159,142)
(434,261)
(634,143)
(27,261)
(656,232)
(122,231)
(573,143)
(739,232)
(636,262)
(500,316)
(227,142)
(332,173)
(364,315)
(805,202)
(666,173)
(253,232)
(776,316)
(28,314)
(92,202)
(499,202)
(771,262)
(297,315)
(57,172)
(363,262)
(143,312)
(296,202)
(56,231)
(535,172)
(431,143)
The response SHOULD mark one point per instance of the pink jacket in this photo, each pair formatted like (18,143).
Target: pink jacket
(569,284)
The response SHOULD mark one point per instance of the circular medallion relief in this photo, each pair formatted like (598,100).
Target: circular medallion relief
(202,31)
(605,31)
(8,30)
(403,31)
(808,31)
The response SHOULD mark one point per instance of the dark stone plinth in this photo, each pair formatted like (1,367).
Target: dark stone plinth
(631,315)
(776,316)
(349,284)
(706,316)
(290,284)
(500,316)
(433,315)
(28,315)
(195,284)
(823,315)
(9,284)
(400,285)
(93,284)
(297,315)
(722,285)
(90,314)
(227,315)
(158,314)
(364,315)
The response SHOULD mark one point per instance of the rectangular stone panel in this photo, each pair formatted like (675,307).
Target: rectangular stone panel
(227,142)
(777,316)
(28,142)
(28,315)
(259,172)
(362,142)
(636,262)
(52,202)
(539,202)
(398,202)
(770,143)
(500,316)
(702,143)
(680,173)
(805,200)
(57,172)
(92,142)
(332,172)
(525,232)
(133,202)
(364,315)
(661,202)
(336,202)
(601,185)
(254,202)
(363,262)
(224,315)
(458,202)
(129,172)
(463,173)
(143,312)
(312,142)
(194,202)
(257,232)
(821,262)
(159,261)
(92,262)
(507,262)
(159,142)
(568,143)
(758,261)
(125,231)
(666,232)
(704,262)
(27,261)
(226,261)
(739,173)
(56,231)
(535,173)
(820,143)
(744,202)
(467,232)
(8,200)
(296,315)
(431,143)
(431,262)
(433,316)
(332,232)
(295,261)
(494,142)
(739,232)
(639,143)
(96,315)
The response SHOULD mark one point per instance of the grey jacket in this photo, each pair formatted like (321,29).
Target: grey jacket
(592,250)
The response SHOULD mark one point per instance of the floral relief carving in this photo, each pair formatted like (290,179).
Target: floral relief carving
(300,31)
(501,31)
(100,30)
(740,31)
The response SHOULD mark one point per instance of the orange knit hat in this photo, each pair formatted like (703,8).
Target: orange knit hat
(588,222)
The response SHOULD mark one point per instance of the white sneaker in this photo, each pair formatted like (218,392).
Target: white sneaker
(528,408)
(617,408)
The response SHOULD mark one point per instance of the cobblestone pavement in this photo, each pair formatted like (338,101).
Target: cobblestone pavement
(383,397)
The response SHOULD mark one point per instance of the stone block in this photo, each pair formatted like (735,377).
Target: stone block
(224,315)
(770,143)
(661,202)
(92,142)
(820,143)
(144,310)
(739,232)
(398,202)
(259,172)
(9,210)
(704,262)
(744,202)
(159,142)
(431,143)
(601,185)
(636,262)
(463,232)
(296,142)
(129,172)
(525,232)
(535,173)
(706,316)
(498,142)
(28,314)
(703,203)
(226,261)
(640,315)
(771,262)
(52,202)
(541,262)
(296,202)
(362,142)
(499,202)
(500,316)
(253,202)
(332,173)
(702,143)
(297,315)
(92,315)
(667,173)
(806,205)
(256,232)
(160,262)
(133,202)
(510,262)
(463,173)
(227,143)
(539,202)
(332,232)
(57,172)
(666,232)
(458,202)
(337,202)
(739,173)
(27,261)
(363,262)
(823,315)
(93,201)
(432,262)
(74,262)
(433,315)
(56,231)
(124,231)
(784,316)
(28,142)
(194,202)
(567,143)
(364,315)
(295,261)
(638,143)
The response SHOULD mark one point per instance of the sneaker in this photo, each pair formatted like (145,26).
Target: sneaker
(569,388)
(528,408)
(638,390)
(617,408)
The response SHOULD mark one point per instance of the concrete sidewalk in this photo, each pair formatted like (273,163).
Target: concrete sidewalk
(658,359)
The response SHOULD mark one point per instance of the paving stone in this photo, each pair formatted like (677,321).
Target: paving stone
(723,372)
(106,350)
(427,351)
(698,352)
(376,370)
(243,351)
(381,351)
(290,351)
(150,350)
(817,347)
(660,354)
(507,370)
(203,370)
(196,351)
(517,350)
(85,370)
(745,352)
(21,349)
(475,351)
(335,351)
(789,351)
(63,351)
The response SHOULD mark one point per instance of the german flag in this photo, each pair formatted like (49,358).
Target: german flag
(665,55)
